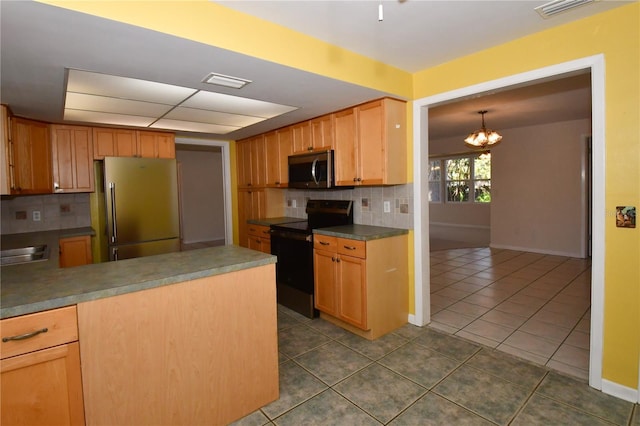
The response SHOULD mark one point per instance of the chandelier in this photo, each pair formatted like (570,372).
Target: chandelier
(483,137)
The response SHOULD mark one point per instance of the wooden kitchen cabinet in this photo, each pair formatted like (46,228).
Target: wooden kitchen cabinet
(5,140)
(30,156)
(257,204)
(259,238)
(251,162)
(75,251)
(301,137)
(40,375)
(155,144)
(72,158)
(112,142)
(198,352)
(277,150)
(379,154)
(322,133)
(362,286)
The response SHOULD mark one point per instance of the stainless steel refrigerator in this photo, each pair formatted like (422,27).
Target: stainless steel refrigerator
(141,200)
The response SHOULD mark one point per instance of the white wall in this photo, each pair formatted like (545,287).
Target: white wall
(537,189)
(202,195)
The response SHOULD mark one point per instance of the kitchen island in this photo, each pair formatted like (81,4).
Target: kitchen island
(179,338)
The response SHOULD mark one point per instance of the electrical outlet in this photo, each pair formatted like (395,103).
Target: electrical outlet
(293,203)
(36,215)
(387,206)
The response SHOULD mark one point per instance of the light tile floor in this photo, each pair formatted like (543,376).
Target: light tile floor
(534,306)
(421,376)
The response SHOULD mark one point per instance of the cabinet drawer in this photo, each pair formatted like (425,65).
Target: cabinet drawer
(259,231)
(355,248)
(324,242)
(61,325)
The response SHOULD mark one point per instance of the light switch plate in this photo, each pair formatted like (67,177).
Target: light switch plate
(387,206)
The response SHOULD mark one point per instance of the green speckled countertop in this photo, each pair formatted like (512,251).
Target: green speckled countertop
(360,232)
(39,286)
(268,221)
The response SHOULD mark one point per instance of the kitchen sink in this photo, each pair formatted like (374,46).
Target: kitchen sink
(28,254)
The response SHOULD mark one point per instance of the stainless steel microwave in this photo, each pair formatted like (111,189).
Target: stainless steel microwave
(311,170)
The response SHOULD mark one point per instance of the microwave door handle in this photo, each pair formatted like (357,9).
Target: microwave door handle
(114,221)
(313,171)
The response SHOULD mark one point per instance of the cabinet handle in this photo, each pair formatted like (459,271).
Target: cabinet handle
(338,259)
(310,148)
(355,179)
(349,247)
(324,243)
(359,179)
(25,336)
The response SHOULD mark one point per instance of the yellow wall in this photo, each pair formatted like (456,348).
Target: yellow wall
(614,34)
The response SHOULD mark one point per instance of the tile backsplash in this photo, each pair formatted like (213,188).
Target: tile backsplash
(369,204)
(54,211)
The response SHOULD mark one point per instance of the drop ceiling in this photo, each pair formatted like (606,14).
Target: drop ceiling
(40,44)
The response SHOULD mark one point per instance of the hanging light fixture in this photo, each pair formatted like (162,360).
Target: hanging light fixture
(483,137)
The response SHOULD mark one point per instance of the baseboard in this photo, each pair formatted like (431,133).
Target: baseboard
(619,391)
(536,250)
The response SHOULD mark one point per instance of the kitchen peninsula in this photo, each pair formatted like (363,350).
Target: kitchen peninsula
(179,338)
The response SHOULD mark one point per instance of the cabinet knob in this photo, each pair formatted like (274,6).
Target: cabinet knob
(310,148)
(359,179)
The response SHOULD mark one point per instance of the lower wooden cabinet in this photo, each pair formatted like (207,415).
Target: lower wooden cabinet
(259,238)
(40,375)
(257,204)
(362,286)
(75,251)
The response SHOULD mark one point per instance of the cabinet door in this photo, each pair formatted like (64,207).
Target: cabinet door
(43,387)
(324,272)
(75,251)
(258,162)
(114,143)
(5,153)
(31,157)
(285,149)
(272,159)
(371,151)
(72,158)
(353,290)
(301,135)
(322,133)
(344,127)
(251,205)
(156,144)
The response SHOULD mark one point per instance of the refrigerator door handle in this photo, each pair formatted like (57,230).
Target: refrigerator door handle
(114,232)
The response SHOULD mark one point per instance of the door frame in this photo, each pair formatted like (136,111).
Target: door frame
(226,179)
(596,65)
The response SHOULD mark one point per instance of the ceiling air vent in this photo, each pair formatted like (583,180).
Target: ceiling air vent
(547,10)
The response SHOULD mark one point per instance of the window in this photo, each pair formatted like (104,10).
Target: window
(461,175)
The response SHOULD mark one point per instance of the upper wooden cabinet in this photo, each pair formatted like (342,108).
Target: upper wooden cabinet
(72,158)
(322,133)
(5,137)
(277,151)
(156,144)
(114,143)
(30,157)
(251,162)
(379,153)
(301,137)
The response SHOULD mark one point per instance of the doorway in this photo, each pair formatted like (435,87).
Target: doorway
(205,211)
(421,107)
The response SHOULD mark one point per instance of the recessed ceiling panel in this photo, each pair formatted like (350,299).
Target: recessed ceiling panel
(235,105)
(106,118)
(189,126)
(97,103)
(212,117)
(126,88)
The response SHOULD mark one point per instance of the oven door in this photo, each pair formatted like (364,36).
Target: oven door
(295,259)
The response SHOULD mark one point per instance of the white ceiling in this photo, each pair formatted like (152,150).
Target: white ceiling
(38,42)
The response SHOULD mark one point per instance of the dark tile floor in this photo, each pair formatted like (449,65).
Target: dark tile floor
(420,376)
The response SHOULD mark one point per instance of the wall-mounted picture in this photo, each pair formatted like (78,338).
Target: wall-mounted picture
(626,216)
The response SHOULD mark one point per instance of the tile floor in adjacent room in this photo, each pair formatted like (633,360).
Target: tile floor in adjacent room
(421,376)
(531,305)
